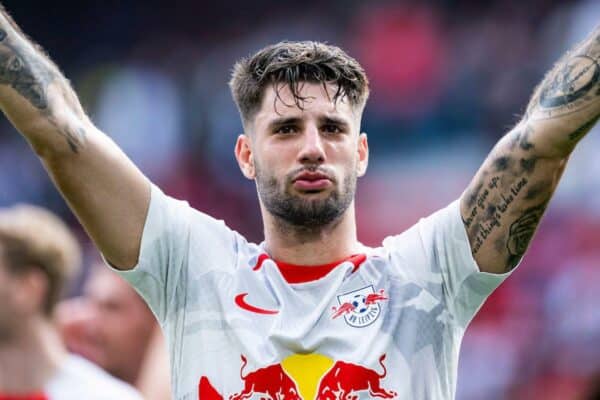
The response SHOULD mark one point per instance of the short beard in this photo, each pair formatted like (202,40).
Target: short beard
(301,213)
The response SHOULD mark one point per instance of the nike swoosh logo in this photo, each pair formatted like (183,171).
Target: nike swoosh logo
(240,300)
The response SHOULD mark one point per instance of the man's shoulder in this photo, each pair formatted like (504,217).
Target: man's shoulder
(79,378)
(422,232)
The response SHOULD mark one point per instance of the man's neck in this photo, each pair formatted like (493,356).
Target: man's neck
(300,246)
(30,358)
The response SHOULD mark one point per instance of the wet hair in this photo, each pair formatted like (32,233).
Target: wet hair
(34,238)
(292,64)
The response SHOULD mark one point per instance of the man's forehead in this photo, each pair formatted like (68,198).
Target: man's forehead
(317,100)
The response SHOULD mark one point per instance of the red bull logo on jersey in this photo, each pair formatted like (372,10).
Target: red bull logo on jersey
(272,382)
(359,307)
(307,377)
(345,380)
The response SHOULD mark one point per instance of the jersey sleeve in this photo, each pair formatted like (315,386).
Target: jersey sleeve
(441,252)
(170,227)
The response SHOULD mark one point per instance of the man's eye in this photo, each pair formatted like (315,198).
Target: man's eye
(286,129)
(332,128)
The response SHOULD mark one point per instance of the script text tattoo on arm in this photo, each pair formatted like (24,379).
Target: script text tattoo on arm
(509,179)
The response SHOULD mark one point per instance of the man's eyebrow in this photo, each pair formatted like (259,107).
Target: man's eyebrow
(334,120)
(284,121)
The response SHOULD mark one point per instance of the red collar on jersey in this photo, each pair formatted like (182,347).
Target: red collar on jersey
(29,396)
(307,273)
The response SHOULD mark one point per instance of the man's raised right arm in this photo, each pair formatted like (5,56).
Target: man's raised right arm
(109,195)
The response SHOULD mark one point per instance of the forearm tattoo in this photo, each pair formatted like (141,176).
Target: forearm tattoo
(26,70)
(23,72)
(572,85)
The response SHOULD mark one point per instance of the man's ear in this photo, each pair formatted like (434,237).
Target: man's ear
(243,155)
(363,154)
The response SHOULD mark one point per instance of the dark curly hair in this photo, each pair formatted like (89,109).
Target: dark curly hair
(291,64)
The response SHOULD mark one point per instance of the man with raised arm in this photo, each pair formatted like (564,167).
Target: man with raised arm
(310,312)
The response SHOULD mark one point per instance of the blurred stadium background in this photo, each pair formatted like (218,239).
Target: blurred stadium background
(448,78)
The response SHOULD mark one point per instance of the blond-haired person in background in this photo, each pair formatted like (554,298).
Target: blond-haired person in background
(38,255)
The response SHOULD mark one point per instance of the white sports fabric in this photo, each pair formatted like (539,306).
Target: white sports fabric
(386,324)
(79,379)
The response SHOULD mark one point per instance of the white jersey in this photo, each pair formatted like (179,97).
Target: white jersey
(386,323)
(79,379)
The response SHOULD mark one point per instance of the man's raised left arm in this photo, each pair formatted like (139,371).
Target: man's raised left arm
(503,204)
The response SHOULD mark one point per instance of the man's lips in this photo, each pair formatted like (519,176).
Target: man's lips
(311,181)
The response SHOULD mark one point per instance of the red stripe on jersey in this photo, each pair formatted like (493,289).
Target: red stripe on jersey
(307,273)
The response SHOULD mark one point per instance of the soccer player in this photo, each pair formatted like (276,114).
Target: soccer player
(37,256)
(310,312)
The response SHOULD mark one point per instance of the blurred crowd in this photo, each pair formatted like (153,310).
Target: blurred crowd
(448,79)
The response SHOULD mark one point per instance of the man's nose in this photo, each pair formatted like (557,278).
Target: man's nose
(312,150)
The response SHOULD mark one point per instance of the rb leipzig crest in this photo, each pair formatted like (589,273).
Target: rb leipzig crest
(359,307)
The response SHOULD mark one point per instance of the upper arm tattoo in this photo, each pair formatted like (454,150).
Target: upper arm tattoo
(520,233)
(508,199)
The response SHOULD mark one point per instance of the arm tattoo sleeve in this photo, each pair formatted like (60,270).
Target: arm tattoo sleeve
(506,200)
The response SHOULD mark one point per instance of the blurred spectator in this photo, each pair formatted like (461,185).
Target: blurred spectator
(38,255)
(109,324)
